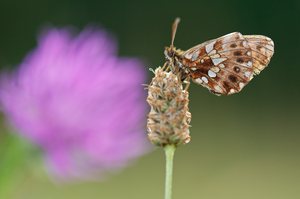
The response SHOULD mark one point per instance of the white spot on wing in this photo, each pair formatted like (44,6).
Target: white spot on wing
(218,88)
(199,81)
(212,52)
(215,69)
(222,66)
(241,85)
(205,80)
(209,47)
(216,61)
(249,63)
(215,56)
(231,91)
(247,74)
(195,55)
(211,73)
(188,56)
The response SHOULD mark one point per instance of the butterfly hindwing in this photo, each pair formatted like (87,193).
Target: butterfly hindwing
(226,64)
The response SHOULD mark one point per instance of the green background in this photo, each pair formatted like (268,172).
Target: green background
(243,146)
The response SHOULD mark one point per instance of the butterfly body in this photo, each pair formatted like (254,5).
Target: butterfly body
(223,65)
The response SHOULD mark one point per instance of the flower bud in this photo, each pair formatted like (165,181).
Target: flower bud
(169,117)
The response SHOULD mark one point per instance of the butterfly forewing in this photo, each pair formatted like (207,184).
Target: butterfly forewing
(226,64)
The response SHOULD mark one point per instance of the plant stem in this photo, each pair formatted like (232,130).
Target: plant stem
(12,162)
(169,151)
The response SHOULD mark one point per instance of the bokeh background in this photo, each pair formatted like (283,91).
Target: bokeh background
(243,146)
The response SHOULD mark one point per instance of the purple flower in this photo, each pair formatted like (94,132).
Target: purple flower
(81,103)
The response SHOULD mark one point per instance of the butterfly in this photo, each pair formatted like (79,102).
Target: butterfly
(223,65)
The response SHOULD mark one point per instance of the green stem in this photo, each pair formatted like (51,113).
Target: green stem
(11,164)
(169,151)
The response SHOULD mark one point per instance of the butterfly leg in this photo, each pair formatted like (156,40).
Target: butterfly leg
(164,66)
(187,83)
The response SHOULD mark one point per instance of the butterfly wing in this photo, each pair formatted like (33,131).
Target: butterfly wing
(226,64)
(262,49)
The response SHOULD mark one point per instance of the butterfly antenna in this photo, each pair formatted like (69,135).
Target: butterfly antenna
(174,29)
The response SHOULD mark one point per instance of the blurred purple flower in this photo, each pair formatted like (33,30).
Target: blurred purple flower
(78,101)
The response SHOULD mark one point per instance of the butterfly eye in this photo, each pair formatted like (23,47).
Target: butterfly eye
(169,53)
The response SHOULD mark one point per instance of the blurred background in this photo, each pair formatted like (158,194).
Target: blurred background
(243,146)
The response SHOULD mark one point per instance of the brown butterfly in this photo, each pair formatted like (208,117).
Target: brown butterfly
(223,65)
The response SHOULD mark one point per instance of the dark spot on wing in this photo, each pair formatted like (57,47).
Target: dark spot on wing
(258,47)
(236,69)
(207,63)
(201,70)
(232,78)
(233,45)
(237,53)
(240,60)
